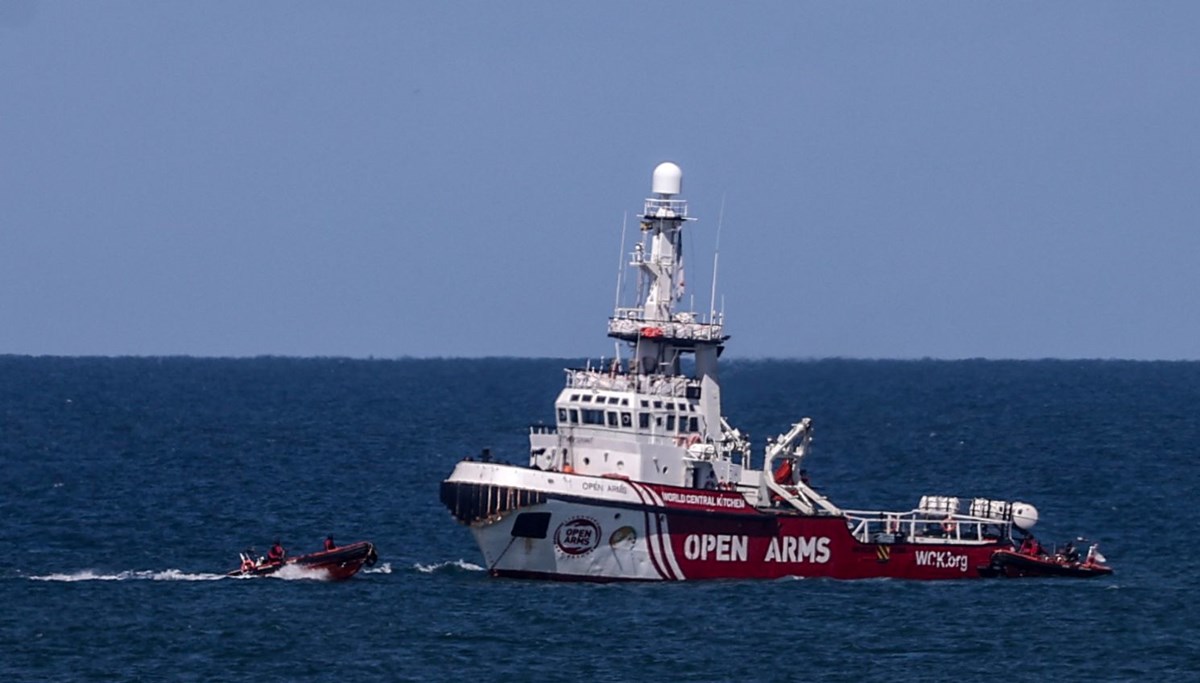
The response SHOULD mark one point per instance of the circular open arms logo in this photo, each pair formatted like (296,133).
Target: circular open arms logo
(577,536)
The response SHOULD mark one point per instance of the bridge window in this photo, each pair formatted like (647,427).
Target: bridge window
(612,419)
(574,416)
(670,423)
(693,425)
(593,417)
(562,414)
(613,400)
(644,420)
(587,398)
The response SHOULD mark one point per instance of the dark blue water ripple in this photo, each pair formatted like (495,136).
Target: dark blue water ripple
(128,486)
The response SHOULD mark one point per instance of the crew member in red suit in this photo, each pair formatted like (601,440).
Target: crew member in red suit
(329,542)
(276,553)
(1030,546)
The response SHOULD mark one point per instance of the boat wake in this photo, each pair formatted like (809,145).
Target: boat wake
(452,566)
(295,572)
(289,573)
(146,575)
(385,568)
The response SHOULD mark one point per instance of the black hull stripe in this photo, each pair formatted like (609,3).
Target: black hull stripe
(576,578)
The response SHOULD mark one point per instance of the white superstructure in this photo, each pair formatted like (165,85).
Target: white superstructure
(644,416)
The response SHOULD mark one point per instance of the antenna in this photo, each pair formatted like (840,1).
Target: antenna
(712,302)
(621,261)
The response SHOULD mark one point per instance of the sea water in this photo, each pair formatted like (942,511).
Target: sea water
(129,485)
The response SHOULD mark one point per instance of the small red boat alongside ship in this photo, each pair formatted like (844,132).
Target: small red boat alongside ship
(1032,562)
(337,564)
(642,477)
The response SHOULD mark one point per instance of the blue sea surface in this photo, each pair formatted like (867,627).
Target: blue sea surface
(128,486)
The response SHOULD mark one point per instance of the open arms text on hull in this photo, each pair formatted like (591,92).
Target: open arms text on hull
(642,478)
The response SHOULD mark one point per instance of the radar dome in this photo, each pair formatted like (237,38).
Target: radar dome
(668,179)
(1024,515)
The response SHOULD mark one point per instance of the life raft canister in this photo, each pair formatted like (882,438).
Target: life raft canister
(783,473)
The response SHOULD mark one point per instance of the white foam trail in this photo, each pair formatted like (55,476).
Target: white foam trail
(295,572)
(385,568)
(148,575)
(455,564)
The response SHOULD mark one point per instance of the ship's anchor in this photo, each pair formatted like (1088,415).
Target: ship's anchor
(492,569)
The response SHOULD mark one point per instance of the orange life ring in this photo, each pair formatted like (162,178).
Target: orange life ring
(247,565)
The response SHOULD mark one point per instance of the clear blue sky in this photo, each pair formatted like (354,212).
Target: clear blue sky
(901,180)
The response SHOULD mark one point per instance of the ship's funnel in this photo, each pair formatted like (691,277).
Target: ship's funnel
(668,179)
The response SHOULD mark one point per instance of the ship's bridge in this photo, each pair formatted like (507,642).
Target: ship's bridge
(649,385)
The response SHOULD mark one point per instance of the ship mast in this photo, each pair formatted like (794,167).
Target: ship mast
(658,333)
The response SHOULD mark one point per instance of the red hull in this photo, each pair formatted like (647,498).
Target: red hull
(716,535)
(766,546)
(338,564)
(1013,564)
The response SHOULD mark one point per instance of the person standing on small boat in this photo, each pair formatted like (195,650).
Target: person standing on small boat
(329,543)
(1069,552)
(276,553)
(1030,546)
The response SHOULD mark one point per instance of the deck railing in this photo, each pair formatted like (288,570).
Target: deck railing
(631,322)
(921,526)
(650,385)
